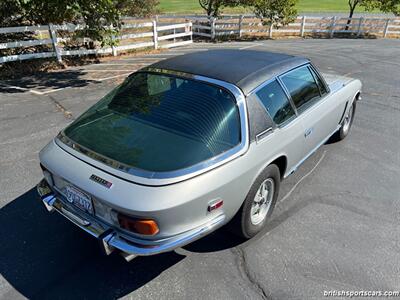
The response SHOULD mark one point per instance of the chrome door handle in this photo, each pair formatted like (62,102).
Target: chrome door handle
(308,132)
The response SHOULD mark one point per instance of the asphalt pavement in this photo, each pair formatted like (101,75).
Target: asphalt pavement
(336,225)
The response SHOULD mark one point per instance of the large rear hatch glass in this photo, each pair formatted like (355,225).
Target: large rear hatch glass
(159,123)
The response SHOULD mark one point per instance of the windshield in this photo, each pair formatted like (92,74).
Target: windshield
(160,123)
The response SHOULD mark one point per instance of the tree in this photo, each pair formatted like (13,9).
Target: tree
(275,12)
(387,6)
(137,8)
(352,6)
(101,17)
(213,7)
(10,13)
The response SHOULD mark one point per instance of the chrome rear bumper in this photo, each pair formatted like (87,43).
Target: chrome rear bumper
(111,238)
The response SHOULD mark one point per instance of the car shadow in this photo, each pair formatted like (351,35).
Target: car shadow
(45,256)
(218,240)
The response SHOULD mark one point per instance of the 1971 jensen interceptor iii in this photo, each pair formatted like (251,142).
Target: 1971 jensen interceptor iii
(190,143)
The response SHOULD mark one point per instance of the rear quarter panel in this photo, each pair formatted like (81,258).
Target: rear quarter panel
(344,90)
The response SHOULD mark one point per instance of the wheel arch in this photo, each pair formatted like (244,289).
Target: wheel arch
(279,160)
(281,163)
(356,97)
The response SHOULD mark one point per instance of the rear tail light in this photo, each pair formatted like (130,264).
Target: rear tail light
(141,226)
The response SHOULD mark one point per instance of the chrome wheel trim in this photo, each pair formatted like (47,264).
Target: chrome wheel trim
(347,120)
(262,201)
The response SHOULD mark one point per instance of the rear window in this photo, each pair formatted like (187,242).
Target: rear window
(160,123)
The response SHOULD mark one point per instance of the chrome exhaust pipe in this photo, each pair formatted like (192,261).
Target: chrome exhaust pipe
(127,256)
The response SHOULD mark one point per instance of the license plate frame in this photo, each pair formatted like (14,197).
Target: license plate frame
(79,199)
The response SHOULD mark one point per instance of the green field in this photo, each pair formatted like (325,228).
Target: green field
(192,6)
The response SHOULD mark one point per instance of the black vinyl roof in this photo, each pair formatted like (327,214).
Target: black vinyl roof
(245,68)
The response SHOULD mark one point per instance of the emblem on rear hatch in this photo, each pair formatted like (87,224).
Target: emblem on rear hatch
(101,181)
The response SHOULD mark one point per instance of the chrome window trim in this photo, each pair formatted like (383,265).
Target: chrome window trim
(315,79)
(310,103)
(263,134)
(163,178)
(283,86)
(316,71)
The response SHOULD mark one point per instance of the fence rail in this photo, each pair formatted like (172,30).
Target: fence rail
(176,33)
(240,25)
(152,34)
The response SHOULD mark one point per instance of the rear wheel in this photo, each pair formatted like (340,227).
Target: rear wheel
(259,203)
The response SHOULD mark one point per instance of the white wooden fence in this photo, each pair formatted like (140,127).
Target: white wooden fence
(249,25)
(147,34)
(156,35)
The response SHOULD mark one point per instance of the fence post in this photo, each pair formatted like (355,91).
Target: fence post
(386,28)
(213,28)
(155,34)
(333,24)
(53,36)
(271,28)
(303,24)
(240,25)
(190,29)
(359,26)
(196,26)
(113,48)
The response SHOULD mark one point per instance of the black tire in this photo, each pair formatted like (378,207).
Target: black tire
(345,130)
(242,224)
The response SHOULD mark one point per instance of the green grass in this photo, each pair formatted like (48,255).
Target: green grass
(192,6)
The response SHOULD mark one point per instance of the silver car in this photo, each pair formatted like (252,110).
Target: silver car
(191,143)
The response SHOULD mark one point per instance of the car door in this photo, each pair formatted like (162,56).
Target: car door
(311,99)
(288,137)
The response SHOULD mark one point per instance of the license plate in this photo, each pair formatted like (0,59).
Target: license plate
(79,199)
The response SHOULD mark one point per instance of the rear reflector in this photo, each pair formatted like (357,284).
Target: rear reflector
(141,226)
(215,205)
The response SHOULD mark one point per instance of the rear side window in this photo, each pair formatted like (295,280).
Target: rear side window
(276,102)
(301,86)
(160,123)
(259,120)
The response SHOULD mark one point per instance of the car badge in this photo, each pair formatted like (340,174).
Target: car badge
(101,181)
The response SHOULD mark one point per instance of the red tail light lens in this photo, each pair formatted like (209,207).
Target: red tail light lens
(141,226)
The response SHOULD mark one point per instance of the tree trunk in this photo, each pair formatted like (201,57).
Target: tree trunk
(209,9)
(352,6)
